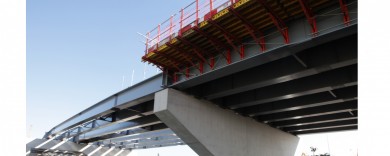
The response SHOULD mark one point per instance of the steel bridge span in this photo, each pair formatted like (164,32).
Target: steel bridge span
(217,87)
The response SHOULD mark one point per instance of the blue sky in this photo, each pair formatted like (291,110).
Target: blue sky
(79,51)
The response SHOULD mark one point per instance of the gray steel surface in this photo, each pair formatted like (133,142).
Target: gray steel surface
(306,86)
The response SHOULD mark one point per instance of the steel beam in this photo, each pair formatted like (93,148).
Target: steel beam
(345,34)
(321,125)
(154,143)
(137,136)
(131,96)
(314,120)
(161,145)
(290,73)
(151,139)
(329,129)
(309,112)
(108,151)
(95,150)
(302,102)
(139,131)
(338,78)
(118,118)
(137,123)
(321,59)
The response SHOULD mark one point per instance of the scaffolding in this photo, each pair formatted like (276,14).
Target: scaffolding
(207,28)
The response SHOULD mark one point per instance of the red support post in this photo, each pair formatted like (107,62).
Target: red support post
(173,61)
(187,72)
(228,36)
(228,57)
(201,67)
(250,28)
(196,49)
(181,21)
(159,65)
(282,30)
(217,44)
(277,20)
(182,52)
(174,77)
(344,9)
(242,51)
(212,62)
(262,43)
(309,16)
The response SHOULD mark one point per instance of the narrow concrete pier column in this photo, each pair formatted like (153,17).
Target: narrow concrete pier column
(212,131)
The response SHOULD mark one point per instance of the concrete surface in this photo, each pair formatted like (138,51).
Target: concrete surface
(212,131)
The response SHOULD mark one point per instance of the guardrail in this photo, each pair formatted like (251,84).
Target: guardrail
(188,17)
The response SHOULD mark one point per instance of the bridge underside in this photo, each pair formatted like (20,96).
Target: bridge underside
(314,90)
(306,86)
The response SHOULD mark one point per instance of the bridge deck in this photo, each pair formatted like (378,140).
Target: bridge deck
(225,30)
(306,86)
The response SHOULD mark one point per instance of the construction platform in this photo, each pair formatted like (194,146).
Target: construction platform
(192,38)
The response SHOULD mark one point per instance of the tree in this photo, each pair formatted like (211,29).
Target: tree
(313,149)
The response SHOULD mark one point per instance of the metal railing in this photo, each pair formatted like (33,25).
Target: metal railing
(188,17)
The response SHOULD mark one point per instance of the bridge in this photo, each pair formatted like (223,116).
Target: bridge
(240,77)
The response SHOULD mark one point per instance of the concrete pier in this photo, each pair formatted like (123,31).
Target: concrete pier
(212,131)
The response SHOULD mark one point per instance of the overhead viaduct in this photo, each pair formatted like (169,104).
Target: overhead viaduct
(245,77)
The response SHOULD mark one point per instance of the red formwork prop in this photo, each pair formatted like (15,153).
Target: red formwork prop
(228,57)
(250,28)
(242,51)
(212,62)
(158,65)
(217,44)
(182,52)
(174,62)
(201,67)
(174,77)
(344,10)
(195,48)
(276,20)
(229,37)
(188,72)
(309,16)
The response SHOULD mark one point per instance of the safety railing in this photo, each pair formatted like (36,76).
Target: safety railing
(188,17)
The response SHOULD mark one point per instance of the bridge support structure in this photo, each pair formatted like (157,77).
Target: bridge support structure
(210,130)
